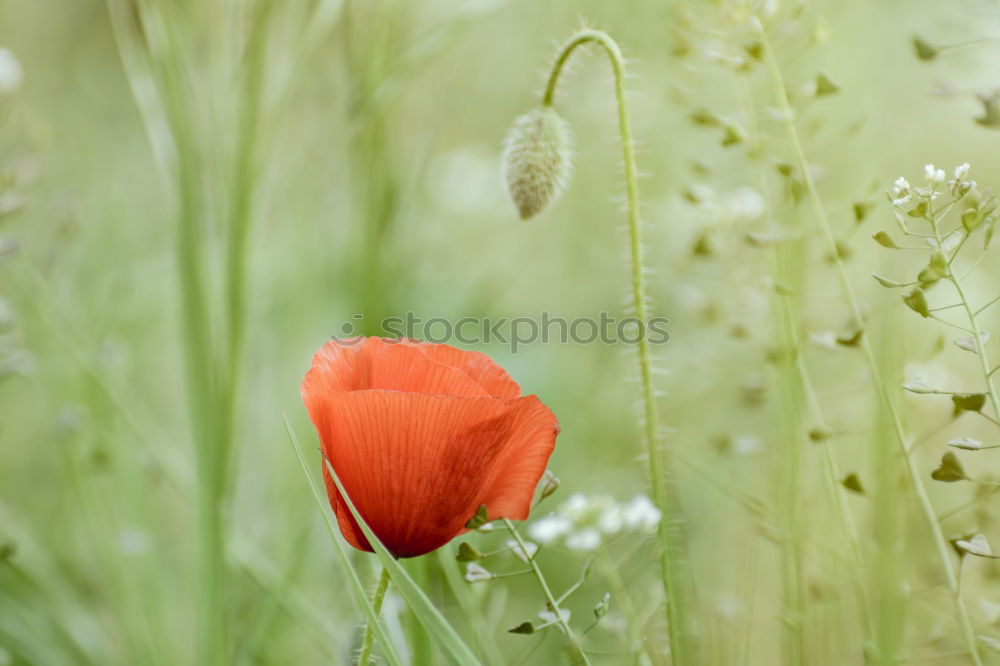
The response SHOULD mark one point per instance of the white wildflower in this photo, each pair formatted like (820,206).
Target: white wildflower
(933,175)
(745,203)
(610,520)
(900,191)
(586,539)
(575,504)
(641,514)
(11,72)
(531,549)
(960,186)
(550,528)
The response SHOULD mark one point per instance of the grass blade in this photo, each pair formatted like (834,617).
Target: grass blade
(442,633)
(361,599)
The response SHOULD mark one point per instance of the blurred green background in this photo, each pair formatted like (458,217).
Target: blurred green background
(377,190)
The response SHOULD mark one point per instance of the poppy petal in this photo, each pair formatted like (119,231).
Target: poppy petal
(418,466)
(373,363)
(480,367)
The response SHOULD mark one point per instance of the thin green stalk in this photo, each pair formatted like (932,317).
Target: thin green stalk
(365,658)
(675,567)
(358,593)
(170,73)
(790,459)
(831,469)
(973,316)
(576,649)
(240,222)
(633,624)
(923,499)
(469,606)
(886,575)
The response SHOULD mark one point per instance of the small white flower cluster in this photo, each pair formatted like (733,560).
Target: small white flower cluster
(11,72)
(744,204)
(902,192)
(961,185)
(582,522)
(932,175)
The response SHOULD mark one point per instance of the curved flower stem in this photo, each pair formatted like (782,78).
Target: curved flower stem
(823,222)
(574,643)
(674,563)
(365,656)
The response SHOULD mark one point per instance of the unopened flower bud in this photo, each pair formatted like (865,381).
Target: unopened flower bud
(537,160)
(550,485)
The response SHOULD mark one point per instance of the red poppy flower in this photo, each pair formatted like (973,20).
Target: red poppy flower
(422,435)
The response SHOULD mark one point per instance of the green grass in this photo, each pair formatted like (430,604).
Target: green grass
(206,191)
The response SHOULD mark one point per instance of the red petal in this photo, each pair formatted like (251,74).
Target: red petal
(418,466)
(478,366)
(391,365)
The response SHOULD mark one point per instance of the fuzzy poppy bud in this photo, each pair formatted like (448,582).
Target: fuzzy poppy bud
(537,160)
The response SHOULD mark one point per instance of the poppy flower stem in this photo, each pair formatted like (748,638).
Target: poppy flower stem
(369,639)
(574,643)
(676,576)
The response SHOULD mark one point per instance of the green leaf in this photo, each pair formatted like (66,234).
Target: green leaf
(357,589)
(861,210)
(818,435)
(924,50)
(851,340)
(917,301)
(886,282)
(523,628)
(443,635)
(969,402)
(755,50)
(991,114)
(824,86)
(479,519)
(920,210)
(885,240)
(971,219)
(949,470)
(934,271)
(468,553)
(853,483)
(733,134)
(705,118)
(601,609)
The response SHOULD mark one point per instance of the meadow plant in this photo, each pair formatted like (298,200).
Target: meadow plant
(831,435)
(537,166)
